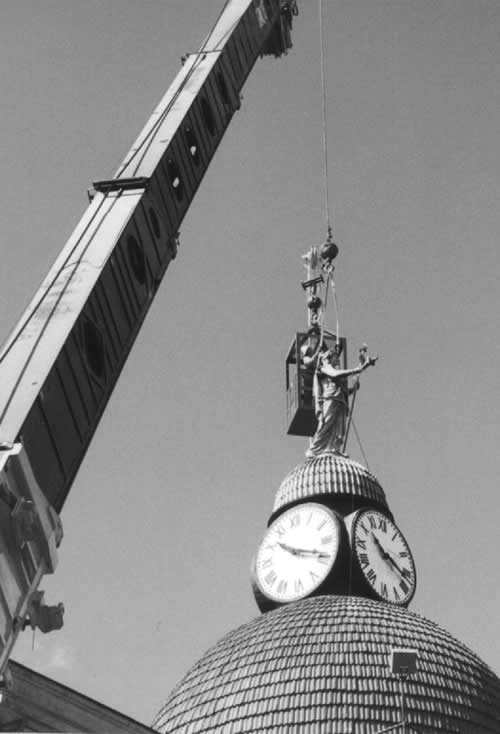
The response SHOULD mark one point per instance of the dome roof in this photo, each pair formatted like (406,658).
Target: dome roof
(332,474)
(320,665)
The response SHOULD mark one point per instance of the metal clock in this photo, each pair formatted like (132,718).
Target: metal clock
(298,552)
(384,557)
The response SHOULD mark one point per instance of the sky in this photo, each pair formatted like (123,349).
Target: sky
(176,489)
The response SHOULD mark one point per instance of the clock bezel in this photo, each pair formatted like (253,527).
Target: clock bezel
(352,523)
(264,599)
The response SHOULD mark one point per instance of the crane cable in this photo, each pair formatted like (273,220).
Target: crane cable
(145,143)
(14,336)
(13,340)
(360,446)
(324,120)
(330,280)
(330,239)
(336,305)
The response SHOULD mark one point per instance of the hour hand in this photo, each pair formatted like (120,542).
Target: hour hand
(393,562)
(387,556)
(303,551)
(289,548)
(318,554)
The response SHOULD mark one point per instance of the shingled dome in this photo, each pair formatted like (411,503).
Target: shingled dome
(329,474)
(321,665)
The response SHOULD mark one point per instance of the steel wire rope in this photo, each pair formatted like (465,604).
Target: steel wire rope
(148,139)
(37,305)
(6,405)
(329,233)
(329,227)
(360,444)
(16,337)
(324,119)
(325,165)
(323,324)
(336,305)
(145,144)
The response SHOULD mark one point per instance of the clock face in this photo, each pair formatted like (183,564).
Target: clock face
(384,557)
(298,552)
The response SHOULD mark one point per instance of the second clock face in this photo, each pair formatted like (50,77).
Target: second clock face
(384,557)
(298,552)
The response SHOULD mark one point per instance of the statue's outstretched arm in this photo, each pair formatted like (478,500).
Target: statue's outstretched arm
(327,369)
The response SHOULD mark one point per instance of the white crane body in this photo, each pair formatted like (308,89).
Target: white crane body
(63,358)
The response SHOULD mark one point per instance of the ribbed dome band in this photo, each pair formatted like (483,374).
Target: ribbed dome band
(331,474)
(321,666)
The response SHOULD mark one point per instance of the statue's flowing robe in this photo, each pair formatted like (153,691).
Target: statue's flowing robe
(331,406)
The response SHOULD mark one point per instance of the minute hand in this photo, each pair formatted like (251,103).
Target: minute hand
(391,560)
(387,556)
(303,551)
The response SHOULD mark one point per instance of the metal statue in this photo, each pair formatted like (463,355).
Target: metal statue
(331,392)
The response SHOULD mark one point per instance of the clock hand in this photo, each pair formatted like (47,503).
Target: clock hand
(303,551)
(386,555)
(306,552)
(319,554)
(379,546)
(289,548)
(393,562)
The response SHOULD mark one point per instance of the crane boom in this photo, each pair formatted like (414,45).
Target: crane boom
(62,360)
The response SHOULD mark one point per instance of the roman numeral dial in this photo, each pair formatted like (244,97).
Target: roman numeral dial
(383,557)
(298,552)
